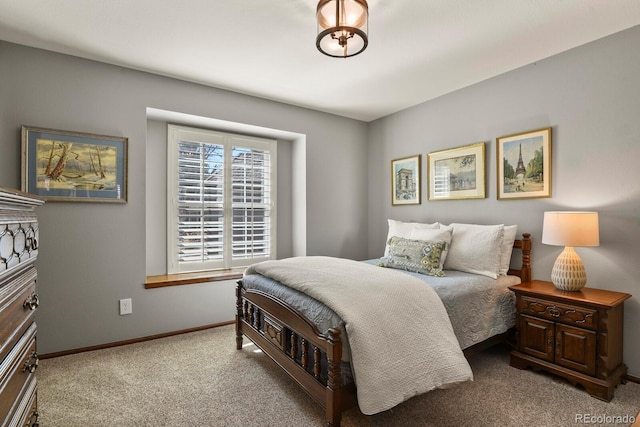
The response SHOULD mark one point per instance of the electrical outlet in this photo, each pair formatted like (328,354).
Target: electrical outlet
(125,306)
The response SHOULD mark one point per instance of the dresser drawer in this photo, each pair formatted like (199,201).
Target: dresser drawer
(565,313)
(19,241)
(26,408)
(16,373)
(18,301)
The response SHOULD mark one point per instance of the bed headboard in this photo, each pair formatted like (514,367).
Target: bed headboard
(525,247)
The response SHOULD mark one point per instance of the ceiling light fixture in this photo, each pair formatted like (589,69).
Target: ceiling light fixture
(342,27)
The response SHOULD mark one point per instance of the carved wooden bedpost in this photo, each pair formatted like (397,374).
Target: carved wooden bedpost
(526,257)
(239,315)
(525,247)
(334,358)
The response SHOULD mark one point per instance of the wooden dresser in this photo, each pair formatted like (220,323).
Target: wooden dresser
(577,335)
(19,240)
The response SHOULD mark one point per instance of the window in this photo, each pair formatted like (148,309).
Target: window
(221,200)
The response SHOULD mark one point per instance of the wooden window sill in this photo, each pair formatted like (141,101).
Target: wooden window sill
(180,279)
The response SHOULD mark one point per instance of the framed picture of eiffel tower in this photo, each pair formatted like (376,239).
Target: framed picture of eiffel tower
(524,165)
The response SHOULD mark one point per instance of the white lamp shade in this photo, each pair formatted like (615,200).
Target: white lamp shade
(571,229)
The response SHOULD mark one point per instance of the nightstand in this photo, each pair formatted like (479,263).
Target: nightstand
(576,335)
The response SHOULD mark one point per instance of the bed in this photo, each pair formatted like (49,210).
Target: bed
(308,340)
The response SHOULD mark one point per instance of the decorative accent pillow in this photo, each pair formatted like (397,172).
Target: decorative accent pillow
(475,249)
(428,235)
(407,230)
(415,255)
(510,232)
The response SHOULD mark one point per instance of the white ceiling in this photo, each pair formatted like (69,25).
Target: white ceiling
(418,49)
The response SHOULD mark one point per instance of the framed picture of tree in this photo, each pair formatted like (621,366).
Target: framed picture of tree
(524,165)
(74,167)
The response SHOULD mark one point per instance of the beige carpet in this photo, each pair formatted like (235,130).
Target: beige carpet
(200,379)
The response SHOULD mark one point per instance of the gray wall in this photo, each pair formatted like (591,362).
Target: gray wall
(93,254)
(590,96)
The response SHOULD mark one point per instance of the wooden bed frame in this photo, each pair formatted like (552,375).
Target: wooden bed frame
(313,358)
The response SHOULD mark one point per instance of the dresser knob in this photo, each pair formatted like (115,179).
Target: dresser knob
(31,364)
(32,302)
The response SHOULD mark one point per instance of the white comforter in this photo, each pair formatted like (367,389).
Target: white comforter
(401,339)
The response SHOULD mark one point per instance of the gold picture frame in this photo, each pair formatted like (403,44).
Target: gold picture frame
(74,166)
(524,165)
(405,180)
(457,173)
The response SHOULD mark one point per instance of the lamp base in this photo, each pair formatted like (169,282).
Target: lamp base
(568,272)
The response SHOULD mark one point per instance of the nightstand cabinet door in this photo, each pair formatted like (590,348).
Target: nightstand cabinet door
(537,337)
(576,349)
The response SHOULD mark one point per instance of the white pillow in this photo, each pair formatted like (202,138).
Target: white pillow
(406,230)
(510,232)
(475,249)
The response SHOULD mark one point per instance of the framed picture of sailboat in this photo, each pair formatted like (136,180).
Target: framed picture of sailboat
(524,165)
(74,167)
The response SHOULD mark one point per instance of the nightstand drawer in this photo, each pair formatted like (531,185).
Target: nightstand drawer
(565,313)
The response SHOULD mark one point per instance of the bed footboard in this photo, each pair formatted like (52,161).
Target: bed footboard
(311,358)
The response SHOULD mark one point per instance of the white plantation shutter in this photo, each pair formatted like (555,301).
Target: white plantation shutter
(200,203)
(221,201)
(251,195)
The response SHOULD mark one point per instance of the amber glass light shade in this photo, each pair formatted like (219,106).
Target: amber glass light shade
(342,27)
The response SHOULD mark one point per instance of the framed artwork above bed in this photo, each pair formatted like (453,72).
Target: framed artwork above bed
(524,165)
(405,181)
(457,173)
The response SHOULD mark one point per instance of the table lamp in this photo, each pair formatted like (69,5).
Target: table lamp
(570,229)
